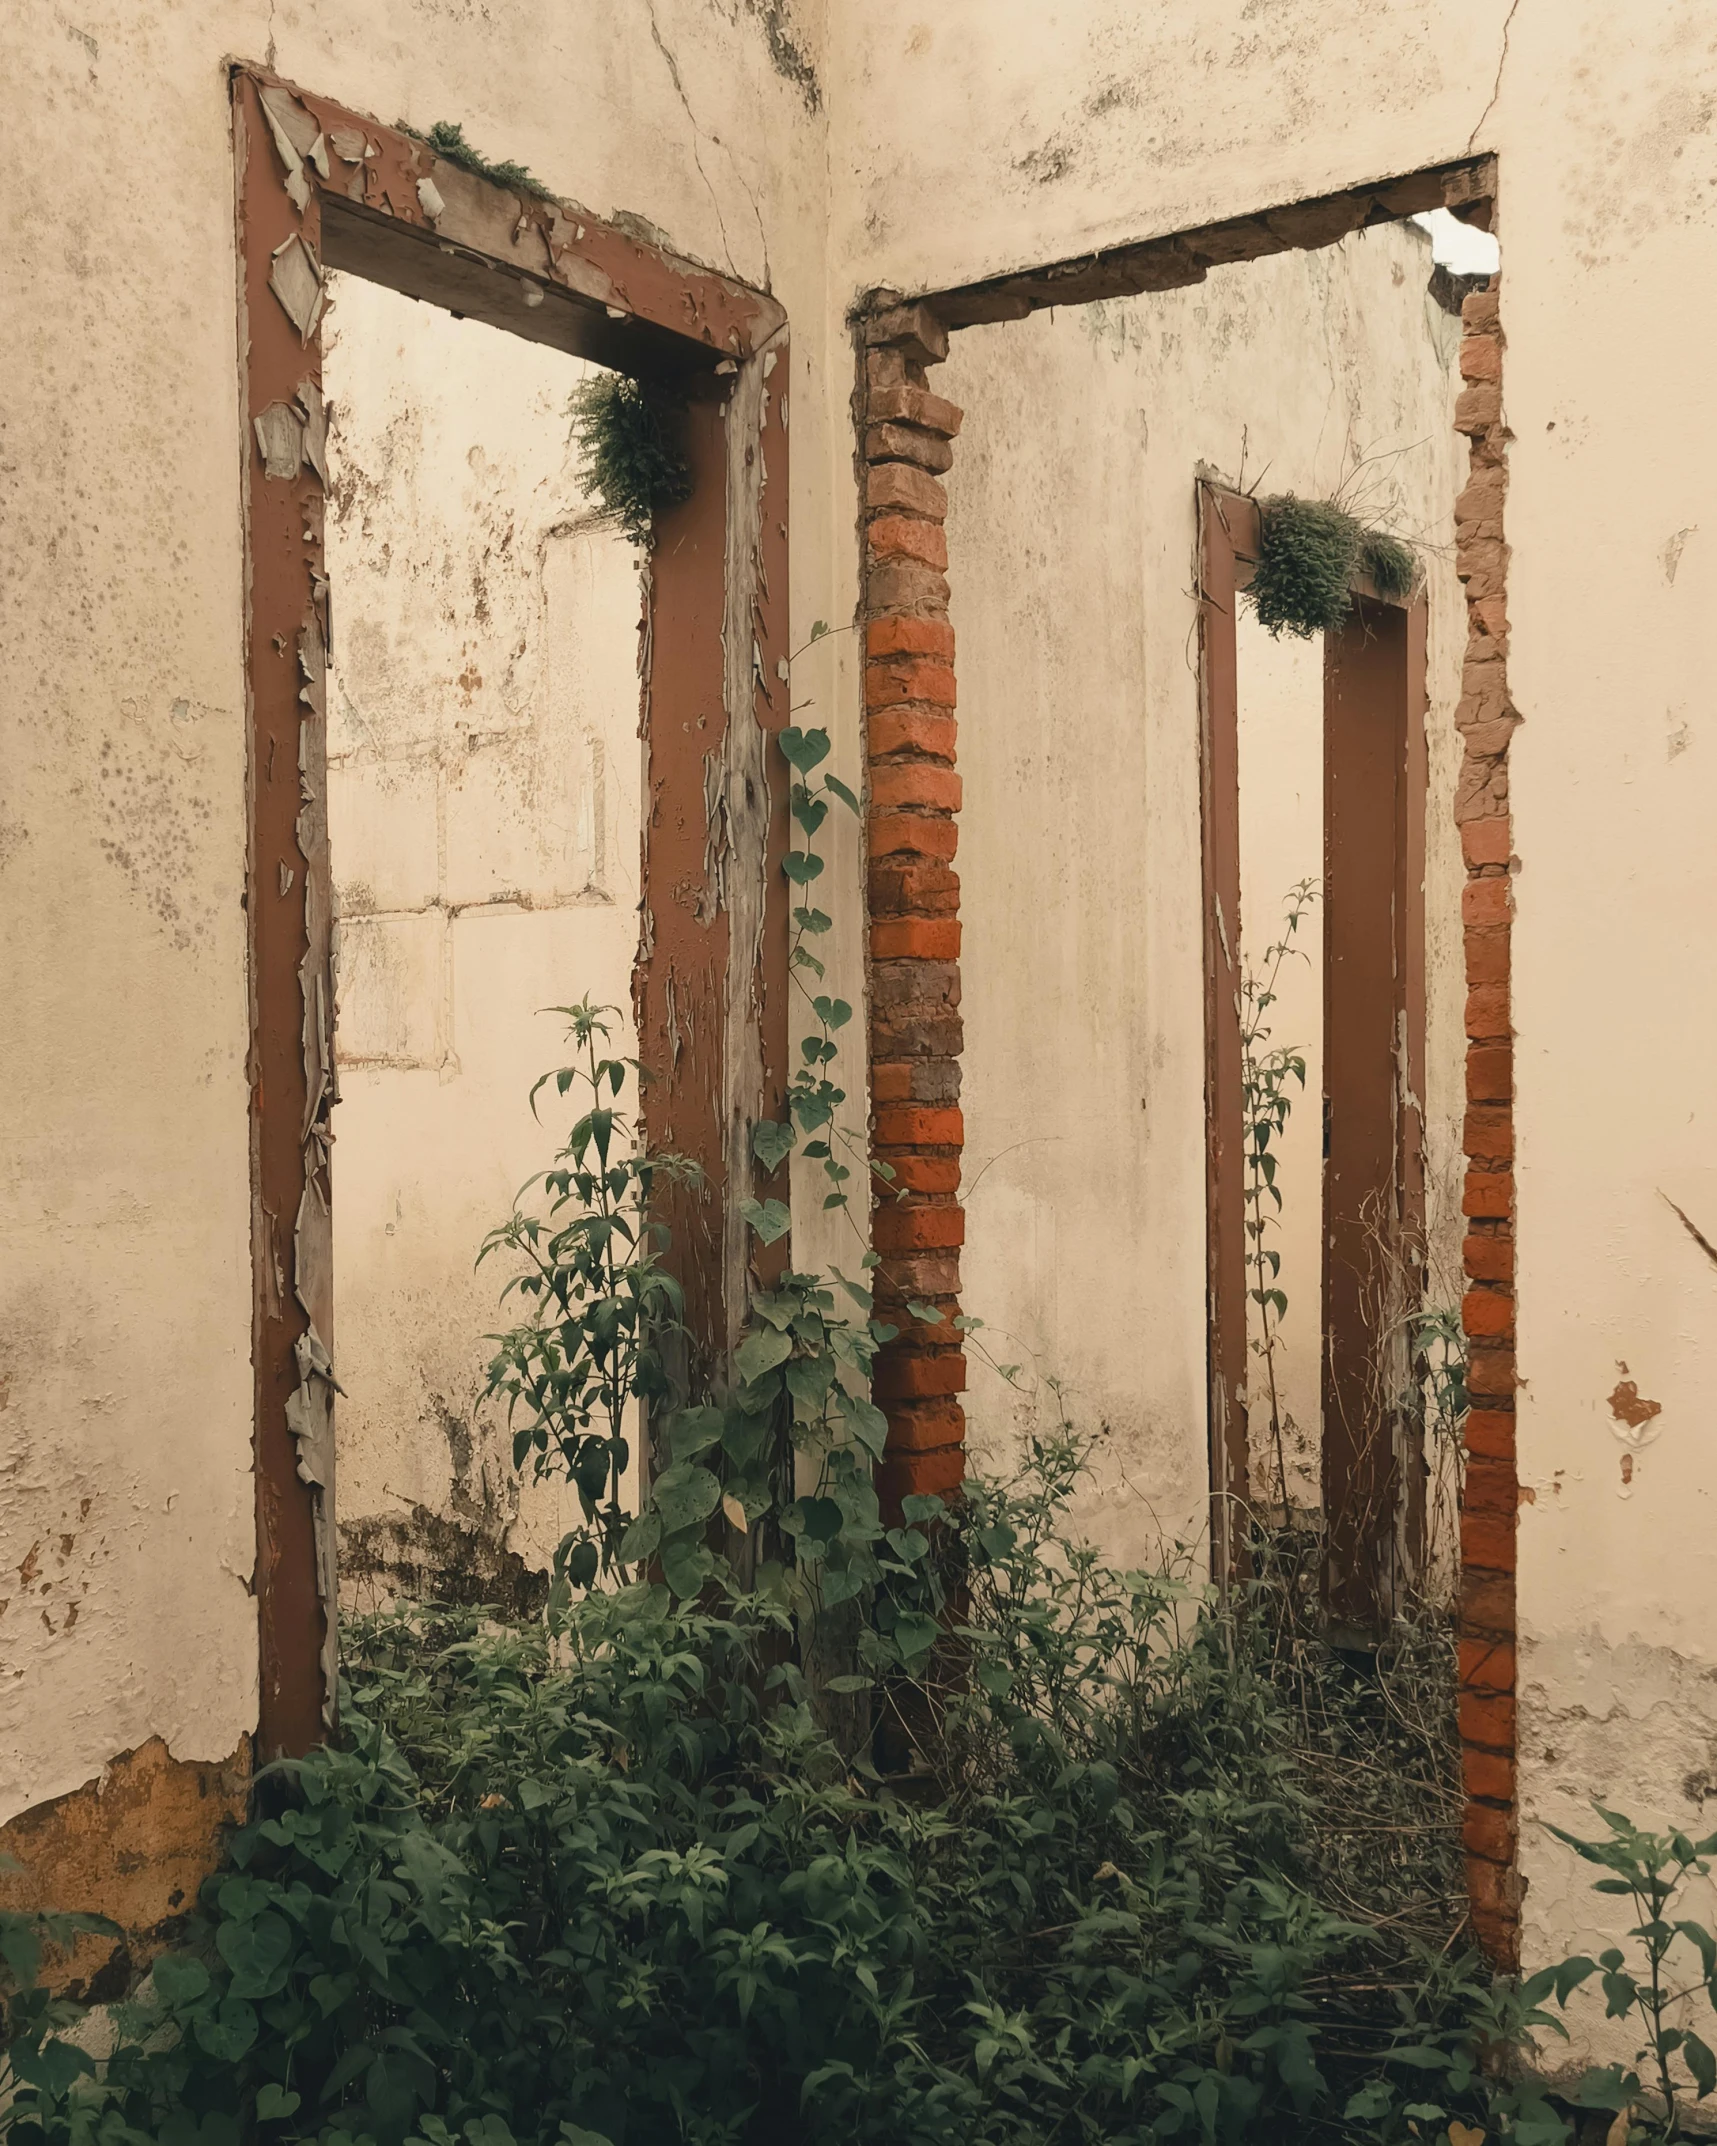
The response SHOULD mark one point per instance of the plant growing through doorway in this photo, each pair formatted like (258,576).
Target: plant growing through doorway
(599,1305)
(1270,1073)
(601,1313)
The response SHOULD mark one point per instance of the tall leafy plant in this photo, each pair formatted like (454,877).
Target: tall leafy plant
(765,1476)
(1271,1073)
(599,1305)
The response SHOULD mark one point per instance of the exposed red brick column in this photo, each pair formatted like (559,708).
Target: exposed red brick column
(1491,1498)
(913,798)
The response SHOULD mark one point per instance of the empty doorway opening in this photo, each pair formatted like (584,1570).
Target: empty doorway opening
(484,824)
(496,838)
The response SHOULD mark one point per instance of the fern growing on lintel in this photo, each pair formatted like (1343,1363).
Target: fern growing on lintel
(1310,550)
(631,460)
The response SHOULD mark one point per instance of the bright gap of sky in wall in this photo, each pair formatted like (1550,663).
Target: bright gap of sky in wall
(1461,248)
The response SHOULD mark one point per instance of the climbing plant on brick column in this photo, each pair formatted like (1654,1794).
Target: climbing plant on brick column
(913,798)
(1491,1496)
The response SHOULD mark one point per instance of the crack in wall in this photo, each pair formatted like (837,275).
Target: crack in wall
(1496,86)
(673,68)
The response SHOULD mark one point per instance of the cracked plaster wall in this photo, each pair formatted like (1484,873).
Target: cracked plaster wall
(940,145)
(125,1381)
(1083,960)
(982,138)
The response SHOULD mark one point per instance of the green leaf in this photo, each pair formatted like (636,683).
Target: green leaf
(914,1634)
(687,1563)
(819,1518)
(684,1495)
(832,1012)
(803,749)
(761,1351)
(229,2035)
(694,1430)
(834,783)
(769,1218)
(772,1143)
(641,1539)
(865,1420)
(802,866)
(257,1953)
(274,2100)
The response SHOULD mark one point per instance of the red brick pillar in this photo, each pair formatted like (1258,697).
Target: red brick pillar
(1491,1497)
(917,1222)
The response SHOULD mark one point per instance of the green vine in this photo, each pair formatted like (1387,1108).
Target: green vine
(1269,1074)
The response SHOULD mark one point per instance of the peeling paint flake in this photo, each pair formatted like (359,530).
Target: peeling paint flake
(296,136)
(280,440)
(315,416)
(296,280)
(1636,1418)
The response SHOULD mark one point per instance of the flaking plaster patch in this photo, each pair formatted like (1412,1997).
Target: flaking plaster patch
(1635,1421)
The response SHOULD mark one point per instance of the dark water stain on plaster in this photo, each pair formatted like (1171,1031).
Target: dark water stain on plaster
(458,1555)
(786,55)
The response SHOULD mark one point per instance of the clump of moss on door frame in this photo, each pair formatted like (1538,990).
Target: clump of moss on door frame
(632,461)
(447,139)
(1309,553)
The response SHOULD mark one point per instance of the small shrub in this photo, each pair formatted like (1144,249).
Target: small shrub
(631,461)
(1390,564)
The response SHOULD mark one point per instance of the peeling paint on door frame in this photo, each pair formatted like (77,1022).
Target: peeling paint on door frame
(320,187)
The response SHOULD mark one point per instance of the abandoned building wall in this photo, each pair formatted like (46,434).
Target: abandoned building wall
(127,1524)
(1072,536)
(985,138)
(483,805)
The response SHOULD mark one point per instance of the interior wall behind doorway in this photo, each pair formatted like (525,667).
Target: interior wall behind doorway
(484,823)
(1072,544)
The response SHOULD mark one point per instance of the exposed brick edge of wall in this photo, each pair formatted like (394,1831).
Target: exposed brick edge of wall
(915,1031)
(911,807)
(1491,1497)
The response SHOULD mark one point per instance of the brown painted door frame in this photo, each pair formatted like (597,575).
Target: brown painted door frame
(1374,1017)
(322,187)
(1228,544)
(1374,792)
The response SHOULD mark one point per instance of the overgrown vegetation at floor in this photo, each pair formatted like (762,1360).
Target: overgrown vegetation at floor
(606,1878)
